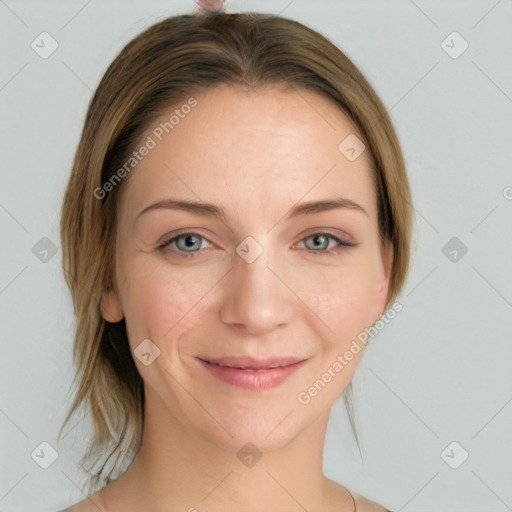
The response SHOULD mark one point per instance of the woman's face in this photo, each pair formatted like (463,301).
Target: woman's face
(250,278)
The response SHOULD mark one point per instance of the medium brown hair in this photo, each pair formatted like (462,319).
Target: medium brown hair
(172,60)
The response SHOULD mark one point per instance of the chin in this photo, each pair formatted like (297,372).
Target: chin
(265,424)
(253,433)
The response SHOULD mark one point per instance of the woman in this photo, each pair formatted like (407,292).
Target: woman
(237,215)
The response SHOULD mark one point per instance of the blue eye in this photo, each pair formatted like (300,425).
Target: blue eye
(185,242)
(188,244)
(321,241)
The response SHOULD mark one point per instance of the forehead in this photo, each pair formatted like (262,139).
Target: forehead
(248,148)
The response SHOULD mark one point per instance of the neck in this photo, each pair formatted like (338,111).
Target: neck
(177,469)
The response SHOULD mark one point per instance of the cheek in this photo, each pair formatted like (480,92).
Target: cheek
(160,303)
(345,298)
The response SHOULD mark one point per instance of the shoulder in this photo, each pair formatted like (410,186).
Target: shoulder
(338,496)
(92,503)
(366,505)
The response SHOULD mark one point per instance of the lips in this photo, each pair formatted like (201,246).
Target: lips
(252,373)
(250,363)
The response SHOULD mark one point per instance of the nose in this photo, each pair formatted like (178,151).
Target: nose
(255,299)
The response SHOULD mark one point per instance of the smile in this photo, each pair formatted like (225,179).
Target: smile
(251,373)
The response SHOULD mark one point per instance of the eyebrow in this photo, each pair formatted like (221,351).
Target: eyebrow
(212,210)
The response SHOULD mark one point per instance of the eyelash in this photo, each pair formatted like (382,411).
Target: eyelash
(342,244)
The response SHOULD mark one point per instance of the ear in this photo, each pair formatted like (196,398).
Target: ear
(111,307)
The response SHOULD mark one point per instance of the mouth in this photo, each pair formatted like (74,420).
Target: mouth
(251,363)
(251,373)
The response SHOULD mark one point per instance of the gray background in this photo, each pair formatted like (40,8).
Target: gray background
(439,372)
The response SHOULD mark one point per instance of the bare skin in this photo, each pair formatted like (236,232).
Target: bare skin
(95,502)
(257,154)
